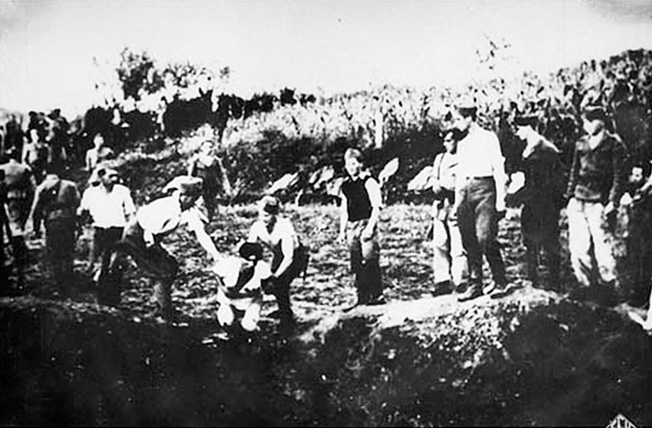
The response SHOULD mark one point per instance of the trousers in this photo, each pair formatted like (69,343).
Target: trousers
(154,261)
(60,248)
(591,255)
(365,263)
(449,257)
(478,223)
(103,238)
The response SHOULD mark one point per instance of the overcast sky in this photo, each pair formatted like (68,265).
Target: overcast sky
(47,46)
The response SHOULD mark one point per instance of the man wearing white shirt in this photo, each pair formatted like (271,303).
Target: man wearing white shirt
(480,198)
(142,241)
(110,206)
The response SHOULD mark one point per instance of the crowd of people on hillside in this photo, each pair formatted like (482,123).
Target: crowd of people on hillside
(600,166)
(471,190)
(41,140)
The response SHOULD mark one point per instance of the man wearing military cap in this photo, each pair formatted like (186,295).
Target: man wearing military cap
(110,206)
(142,241)
(594,189)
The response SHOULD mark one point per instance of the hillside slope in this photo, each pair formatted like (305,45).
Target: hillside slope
(532,358)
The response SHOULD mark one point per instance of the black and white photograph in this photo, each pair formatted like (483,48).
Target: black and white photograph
(284,213)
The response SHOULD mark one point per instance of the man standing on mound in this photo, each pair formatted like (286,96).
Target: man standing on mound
(142,241)
(594,188)
(359,216)
(480,189)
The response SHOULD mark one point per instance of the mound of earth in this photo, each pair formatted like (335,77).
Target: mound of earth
(531,358)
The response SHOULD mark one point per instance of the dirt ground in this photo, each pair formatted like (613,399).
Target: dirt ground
(533,358)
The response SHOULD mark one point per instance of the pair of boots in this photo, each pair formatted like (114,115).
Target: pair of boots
(475,289)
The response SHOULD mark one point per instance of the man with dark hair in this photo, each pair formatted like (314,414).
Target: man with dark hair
(19,185)
(97,154)
(240,293)
(289,256)
(14,136)
(479,198)
(205,165)
(449,258)
(36,154)
(542,197)
(637,201)
(594,189)
(58,136)
(56,205)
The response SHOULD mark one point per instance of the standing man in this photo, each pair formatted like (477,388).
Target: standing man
(204,164)
(542,197)
(142,238)
(449,259)
(58,128)
(36,154)
(56,205)
(637,200)
(359,214)
(480,189)
(110,206)
(594,188)
(19,186)
(97,154)
(14,135)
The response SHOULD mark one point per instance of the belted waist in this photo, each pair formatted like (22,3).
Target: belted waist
(483,178)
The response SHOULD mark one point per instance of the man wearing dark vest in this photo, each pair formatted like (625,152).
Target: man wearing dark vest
(359,215)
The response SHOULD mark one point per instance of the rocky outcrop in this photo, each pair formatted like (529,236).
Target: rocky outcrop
(532,358)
